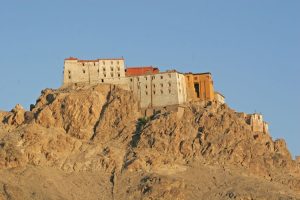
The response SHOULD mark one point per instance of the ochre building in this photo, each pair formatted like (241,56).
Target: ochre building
(200,86)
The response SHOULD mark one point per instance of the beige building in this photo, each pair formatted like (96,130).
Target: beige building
(256,122)
(159,90)
(94,71)
(219,97)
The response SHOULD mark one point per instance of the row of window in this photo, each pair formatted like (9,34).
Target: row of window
(153,77)
(103,69)
(161,92)
(103,62)
(111,75)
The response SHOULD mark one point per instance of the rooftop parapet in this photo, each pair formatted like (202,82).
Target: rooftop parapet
(141,70)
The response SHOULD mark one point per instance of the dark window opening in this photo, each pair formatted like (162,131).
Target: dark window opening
(102,80)
(197,89)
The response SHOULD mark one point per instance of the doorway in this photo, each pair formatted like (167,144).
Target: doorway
(197,87)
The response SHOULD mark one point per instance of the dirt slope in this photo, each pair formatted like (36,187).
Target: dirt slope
(92,143)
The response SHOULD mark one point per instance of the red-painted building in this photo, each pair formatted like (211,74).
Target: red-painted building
(137,71)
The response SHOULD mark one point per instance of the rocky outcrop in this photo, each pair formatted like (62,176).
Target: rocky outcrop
(98,131)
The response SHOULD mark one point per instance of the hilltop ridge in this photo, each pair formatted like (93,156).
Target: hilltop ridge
(92,142)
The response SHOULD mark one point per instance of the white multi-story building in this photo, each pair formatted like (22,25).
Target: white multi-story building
(93,71)
(159,90)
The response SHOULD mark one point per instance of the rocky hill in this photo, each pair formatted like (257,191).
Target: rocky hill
(92,143)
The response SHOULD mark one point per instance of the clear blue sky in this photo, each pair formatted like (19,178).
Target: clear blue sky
(252,48)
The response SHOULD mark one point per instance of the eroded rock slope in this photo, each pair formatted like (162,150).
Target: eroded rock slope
(92,143)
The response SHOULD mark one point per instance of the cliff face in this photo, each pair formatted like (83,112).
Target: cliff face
(92,143)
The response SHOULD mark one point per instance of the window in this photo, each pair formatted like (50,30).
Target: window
(154,85)
(138,78)
(146,93)
(111,75)
(111,69)
(153,91)
(145,77)
(161,77)
(82,64)
(83,71)
(102,80)
(104,69)
(131,80)
(94,64)
(98,70)
(118,68)
(69,72)
(118,74)
(153,77)
(69,77)
(104,75)
(111,62)
(169,91)
(103,62)
(169,75)
(146,86)
(161,92)
(161,85)
(169,84)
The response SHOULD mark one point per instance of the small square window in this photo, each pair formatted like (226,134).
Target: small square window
(69,77)
(146,86)
(118,75)
(83,71)
(131,80)
(154,92)
(161,77)
(102,80)
(69,72)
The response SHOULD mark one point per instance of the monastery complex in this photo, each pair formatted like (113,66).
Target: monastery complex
(153,88)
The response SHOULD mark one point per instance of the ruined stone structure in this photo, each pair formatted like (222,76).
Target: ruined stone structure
(153,89)
(256,122)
